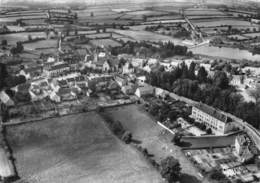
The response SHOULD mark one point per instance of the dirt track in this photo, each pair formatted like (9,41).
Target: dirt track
(78,149)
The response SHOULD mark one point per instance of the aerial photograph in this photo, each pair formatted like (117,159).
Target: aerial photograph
(129,91)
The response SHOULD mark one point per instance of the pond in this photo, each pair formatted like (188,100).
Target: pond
(230,53)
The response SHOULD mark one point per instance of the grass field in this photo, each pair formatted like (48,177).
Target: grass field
(252,35)
(41,44)
(13,38)
(105,42)
(203,12)
(140,35)
(212,22)
(78,149)
(144,129)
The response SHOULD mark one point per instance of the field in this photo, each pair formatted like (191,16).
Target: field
(252,35)
(238,37)
(77,148)
(215,23)
(13,38)
(41,44)
(140,35)
(105,42)
(203,12)
(145,130)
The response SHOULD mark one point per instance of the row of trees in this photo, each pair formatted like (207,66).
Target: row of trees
(17,49)
(214,91)
(162,50)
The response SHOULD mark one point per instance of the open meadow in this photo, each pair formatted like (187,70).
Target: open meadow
(22,36)
(151,137)
(77,148)
(50,43)
(105,42)
(141,35)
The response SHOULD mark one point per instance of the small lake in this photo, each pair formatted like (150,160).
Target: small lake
(230,53)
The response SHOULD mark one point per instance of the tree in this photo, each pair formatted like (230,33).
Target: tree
(192,70)
(221,80)
(177,138)
(4,42)
(255,93)
(13,51)
(170,169)
(19,47)
(154,109)
(202,75)
(209,131)
(29,37)
(12,81)
(217,175)
(185,70)
(127,137)
(172,115)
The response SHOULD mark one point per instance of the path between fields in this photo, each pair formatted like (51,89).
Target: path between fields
(144,128)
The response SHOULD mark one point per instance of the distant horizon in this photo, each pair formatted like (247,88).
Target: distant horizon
(93,2)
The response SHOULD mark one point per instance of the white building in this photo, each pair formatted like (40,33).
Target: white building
(137,62)
(242,151)
(58,69)
(141,80)
(212,118)
(144,91)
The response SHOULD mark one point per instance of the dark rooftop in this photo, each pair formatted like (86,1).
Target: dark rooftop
(212,112)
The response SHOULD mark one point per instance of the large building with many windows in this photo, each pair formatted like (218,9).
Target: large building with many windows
(214,119)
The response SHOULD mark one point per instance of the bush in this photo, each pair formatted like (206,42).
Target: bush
(170,169)
(177,138)
(100,109)
(117,128)
(127,137)
(209,131)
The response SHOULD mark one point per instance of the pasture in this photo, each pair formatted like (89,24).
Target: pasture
(105,42)
(140,35)
(41,44)
(22,36)
(252,35)
(225,22)
(192,11)
(77,148)
(151,136)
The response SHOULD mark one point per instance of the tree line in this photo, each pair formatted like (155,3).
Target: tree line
(161,50)
(213,90)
